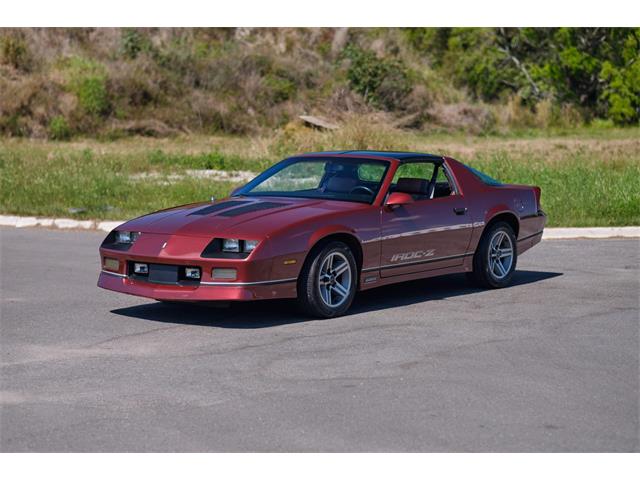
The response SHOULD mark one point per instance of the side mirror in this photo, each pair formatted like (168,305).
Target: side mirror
(396,199)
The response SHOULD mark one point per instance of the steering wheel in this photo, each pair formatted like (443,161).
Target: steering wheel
(362,187)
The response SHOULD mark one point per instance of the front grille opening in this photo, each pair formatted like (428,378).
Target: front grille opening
(164,274)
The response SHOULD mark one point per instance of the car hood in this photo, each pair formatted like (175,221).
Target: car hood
(240,216)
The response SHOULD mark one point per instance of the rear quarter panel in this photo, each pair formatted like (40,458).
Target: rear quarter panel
(487,201)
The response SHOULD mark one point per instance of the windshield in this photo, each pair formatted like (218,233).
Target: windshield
(331,178)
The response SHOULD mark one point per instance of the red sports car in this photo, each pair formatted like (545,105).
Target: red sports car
(320,226)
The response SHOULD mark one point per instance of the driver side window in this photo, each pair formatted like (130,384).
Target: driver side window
(422,180)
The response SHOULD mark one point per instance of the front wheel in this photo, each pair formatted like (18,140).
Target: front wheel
(495,259)
(327,283)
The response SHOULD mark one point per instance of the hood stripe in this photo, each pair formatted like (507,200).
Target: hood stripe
(253,207)
(217,207)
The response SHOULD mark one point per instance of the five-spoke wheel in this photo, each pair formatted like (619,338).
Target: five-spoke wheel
(334,279)
(500,254)
(327,283)
(495,259)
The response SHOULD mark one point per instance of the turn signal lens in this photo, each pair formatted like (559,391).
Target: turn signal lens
(224,273)
(111,264)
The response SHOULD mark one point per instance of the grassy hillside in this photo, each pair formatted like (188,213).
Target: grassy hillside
(110,83)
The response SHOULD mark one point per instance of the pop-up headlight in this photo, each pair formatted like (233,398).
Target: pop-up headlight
(230,245)
(250,245)
(126,237)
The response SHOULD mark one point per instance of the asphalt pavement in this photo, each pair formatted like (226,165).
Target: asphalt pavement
(549,364)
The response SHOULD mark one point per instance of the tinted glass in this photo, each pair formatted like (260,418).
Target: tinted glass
(484,177)
(334,178)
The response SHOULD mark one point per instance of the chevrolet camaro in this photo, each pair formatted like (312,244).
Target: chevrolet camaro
(321,226)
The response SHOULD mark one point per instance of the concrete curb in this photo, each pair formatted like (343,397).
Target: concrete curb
(590,232)
(61,223)
(107,226)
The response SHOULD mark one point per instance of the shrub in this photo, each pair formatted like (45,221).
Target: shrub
(14,52)
(87,79)
(132,42)
(280,89)
(475,62)
(622,91)
(92,95)
(432,42)
(59,128)
(382,82)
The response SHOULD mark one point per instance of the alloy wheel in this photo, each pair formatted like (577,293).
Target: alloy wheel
(500,255)
(334,279)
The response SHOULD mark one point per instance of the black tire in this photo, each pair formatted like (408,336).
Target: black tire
(483,275)
(309,284)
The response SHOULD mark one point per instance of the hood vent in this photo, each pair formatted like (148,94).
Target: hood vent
(253,207)
(216,207)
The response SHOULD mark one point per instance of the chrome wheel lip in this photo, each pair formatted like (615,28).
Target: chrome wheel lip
(500,255)
(335,279)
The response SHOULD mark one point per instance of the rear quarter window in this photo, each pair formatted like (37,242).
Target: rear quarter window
(484,178)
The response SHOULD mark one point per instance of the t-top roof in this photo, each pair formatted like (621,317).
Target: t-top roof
(379,153)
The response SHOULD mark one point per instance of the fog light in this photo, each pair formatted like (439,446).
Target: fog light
(192,273)
(141,268)
(111,264)
(224,273)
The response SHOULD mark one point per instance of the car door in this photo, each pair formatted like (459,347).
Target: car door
(431,233)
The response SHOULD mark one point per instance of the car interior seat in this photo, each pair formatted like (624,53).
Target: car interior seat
(418,188)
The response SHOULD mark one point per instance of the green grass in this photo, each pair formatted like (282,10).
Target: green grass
(587,179)
(578,192)
(99,186)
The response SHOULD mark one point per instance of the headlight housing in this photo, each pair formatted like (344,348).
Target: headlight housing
(230,245)
(126,237)
(250,245)
(120,240)
(229,248)
(237,246)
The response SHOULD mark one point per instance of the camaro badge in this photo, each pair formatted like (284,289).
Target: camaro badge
(413,255)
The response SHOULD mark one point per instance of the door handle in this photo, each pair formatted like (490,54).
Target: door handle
(460,210)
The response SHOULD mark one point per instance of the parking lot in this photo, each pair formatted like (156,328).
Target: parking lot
(549,364)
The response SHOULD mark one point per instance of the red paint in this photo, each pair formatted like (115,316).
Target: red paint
(426,237)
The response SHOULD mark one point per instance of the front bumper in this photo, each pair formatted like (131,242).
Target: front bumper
(253,280)
(205,291)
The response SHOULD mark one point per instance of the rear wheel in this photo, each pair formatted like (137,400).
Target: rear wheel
(495,259)
(327,283)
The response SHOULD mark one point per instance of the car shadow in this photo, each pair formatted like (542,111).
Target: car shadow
(270,313)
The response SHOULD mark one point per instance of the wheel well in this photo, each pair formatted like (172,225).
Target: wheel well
(351,241)
(510,218)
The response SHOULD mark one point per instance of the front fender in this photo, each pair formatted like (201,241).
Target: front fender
(325,231)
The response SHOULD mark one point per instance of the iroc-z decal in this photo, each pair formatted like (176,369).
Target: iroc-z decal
(403,257)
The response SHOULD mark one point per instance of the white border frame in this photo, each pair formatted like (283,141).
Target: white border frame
(355,13)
